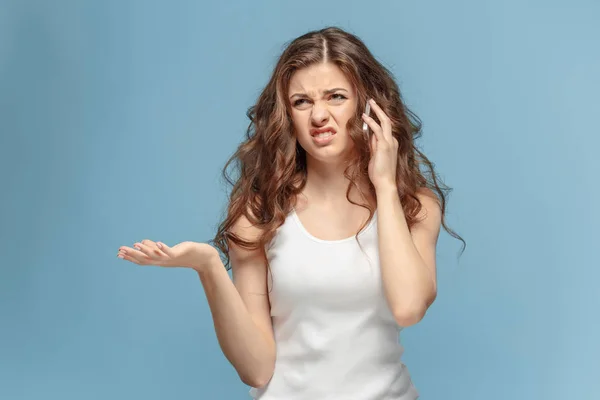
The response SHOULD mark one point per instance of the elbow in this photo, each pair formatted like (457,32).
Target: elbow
(256,379)
(258,370)
(408,316)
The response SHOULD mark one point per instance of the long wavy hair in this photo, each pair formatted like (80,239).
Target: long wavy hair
(271,165)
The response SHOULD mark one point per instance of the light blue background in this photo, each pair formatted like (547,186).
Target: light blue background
(117,116)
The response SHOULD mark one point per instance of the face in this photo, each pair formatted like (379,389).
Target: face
(322,102)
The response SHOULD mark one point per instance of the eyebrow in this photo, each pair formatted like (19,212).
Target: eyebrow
(325,92)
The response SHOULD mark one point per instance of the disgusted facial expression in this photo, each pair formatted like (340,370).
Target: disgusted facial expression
(322,102)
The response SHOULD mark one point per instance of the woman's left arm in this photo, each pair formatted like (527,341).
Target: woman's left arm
(407,257)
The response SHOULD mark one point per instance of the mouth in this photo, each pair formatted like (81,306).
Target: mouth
(322,133)
(322,136)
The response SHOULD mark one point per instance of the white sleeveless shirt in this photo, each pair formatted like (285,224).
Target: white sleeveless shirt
(335,335)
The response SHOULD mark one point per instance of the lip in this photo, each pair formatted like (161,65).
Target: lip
(322,141)
(314,132)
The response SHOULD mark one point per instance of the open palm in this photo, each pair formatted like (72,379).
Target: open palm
(185,254)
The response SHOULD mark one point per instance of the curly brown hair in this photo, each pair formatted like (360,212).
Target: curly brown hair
(271,165)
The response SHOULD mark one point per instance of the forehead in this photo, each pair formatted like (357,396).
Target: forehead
(318,77)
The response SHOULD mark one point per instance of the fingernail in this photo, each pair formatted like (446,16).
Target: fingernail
(159,245)
(120,256)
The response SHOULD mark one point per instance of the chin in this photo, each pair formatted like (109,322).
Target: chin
(329,155)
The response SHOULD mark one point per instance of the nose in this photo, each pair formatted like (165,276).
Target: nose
(319,115)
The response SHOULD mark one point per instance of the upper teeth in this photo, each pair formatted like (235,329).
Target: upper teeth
(323,134)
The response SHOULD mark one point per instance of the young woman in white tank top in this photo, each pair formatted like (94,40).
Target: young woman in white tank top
(331,231)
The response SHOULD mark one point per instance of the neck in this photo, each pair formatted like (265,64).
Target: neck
(326,185)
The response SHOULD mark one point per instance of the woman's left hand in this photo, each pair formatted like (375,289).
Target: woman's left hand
(384,149)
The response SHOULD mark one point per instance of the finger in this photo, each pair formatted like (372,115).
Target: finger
(375,128)
(373,144)
(140,256)
(165,249)
(135,252)
(129,255)
(151,244)
(125,256)
(386,123)
(151,250)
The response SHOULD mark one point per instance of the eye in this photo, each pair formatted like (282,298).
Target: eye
(338,96)
(299,102)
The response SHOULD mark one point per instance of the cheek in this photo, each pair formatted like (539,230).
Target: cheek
(343,116)
(300,122)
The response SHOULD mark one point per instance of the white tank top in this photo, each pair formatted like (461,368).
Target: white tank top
(335,335)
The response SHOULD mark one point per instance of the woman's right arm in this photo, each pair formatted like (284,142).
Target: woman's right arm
(241,310)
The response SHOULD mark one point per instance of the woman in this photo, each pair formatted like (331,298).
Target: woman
(331,231)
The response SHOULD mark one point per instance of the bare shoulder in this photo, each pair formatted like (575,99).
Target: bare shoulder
(430,216)
(248,266)
(245,230)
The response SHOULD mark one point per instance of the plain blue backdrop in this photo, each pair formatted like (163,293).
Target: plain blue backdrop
(116,118)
